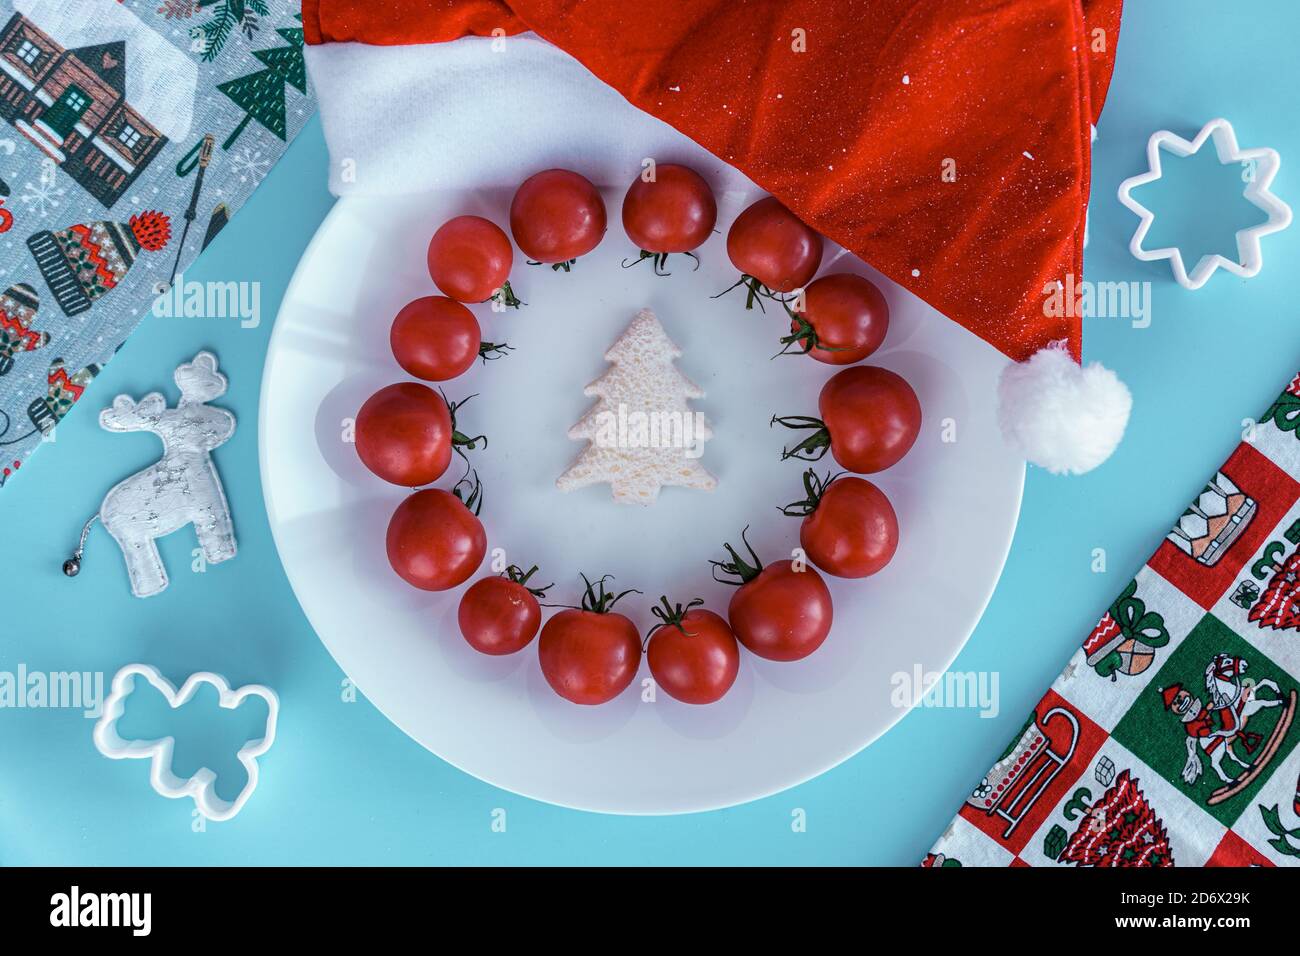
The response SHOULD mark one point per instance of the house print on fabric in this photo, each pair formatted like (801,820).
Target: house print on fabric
(94,89)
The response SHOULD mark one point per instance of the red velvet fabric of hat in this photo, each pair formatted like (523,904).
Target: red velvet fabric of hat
(945,142)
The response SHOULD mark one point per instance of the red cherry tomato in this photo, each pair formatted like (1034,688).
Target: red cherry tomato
(435,338)
(870,418)
(435,541)
(778,612)
(844,319)
(773,250)
(557,216)
(589,655)
(500,615)
(693,655)
(675,212)
(404,434)
(470,259)
(850,529)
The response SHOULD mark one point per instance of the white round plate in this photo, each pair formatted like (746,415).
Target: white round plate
(957,495)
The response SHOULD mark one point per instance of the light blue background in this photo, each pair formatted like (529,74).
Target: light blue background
(342,785)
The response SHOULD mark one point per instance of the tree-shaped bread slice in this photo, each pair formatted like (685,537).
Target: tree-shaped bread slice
(641,433)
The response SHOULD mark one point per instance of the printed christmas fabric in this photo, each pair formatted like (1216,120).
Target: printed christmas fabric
(133,129)
(1170,737)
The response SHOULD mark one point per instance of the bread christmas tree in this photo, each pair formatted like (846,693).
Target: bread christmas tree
(641,433)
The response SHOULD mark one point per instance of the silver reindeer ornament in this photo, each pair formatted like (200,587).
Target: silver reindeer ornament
(181,488)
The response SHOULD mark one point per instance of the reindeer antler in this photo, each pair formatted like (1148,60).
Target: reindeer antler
(199,380)
(128,415)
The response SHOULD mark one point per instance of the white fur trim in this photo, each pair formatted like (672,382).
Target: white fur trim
(387,109)
(1062,416)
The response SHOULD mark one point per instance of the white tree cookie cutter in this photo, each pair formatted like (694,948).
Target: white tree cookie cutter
(1266,163)
(202,785)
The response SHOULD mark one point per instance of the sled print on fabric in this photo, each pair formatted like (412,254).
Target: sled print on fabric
(131,133)
(1170,739)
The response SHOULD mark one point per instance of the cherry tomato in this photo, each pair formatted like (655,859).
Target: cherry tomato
(849,529)
(774,251)
(692,654)
(675,212)
(589,655)
(500,615)
(557,216)
(778,612)
(843,320)
(435,338)
(870,420)
(435,541)
(470,260)
(404,434)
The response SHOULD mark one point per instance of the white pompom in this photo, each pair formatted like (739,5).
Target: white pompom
(1062,416)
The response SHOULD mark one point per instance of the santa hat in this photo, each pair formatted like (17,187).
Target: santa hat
(948,144)
(1170,694)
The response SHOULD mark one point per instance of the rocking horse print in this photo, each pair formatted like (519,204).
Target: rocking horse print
(182,488)
(1212,728)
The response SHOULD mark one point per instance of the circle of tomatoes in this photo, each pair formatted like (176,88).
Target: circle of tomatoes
(470,259)
(849,528)
(435,540)
(556,216)
(589,654)
(692,653)
(842,319)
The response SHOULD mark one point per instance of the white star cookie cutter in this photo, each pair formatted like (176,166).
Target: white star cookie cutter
(1265,166)
(202,786)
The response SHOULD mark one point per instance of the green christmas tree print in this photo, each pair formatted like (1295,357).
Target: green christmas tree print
(261,95)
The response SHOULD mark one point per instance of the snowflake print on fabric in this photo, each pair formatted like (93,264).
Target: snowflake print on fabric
(249,164)
(43,197)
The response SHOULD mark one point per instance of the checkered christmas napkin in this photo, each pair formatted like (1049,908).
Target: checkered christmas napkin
(1170,737)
